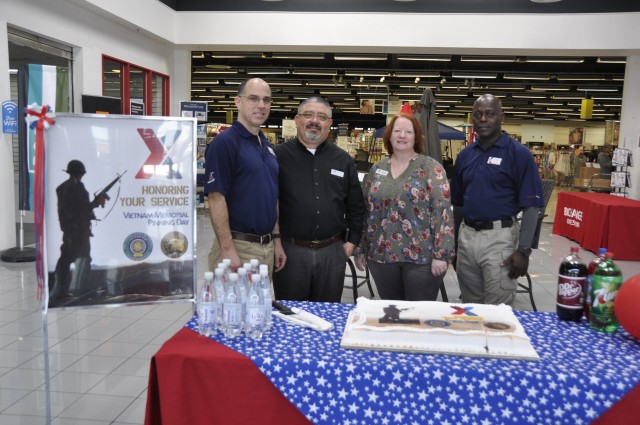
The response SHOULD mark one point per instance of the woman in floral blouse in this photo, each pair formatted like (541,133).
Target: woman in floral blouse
(408,238)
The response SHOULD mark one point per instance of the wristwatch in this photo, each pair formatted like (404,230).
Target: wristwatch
(524,250)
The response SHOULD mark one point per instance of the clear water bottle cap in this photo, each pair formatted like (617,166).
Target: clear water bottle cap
(255,277)
(246,266)
(208,275)
(227,261)
(242,272)
(264,273)
(254,262)
(264,267)
(219,272)
(233,276)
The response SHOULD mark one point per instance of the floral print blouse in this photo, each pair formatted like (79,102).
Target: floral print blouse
(409,218)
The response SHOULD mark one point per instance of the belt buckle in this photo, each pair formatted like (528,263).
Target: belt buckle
(314,243)
(265,239)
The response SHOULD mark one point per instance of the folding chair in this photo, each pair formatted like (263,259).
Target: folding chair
(547,190)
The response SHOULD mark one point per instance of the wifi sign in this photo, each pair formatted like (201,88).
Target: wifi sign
(9,117)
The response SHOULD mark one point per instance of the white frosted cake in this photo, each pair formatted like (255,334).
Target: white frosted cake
(437,327)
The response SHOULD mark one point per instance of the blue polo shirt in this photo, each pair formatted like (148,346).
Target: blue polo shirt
(246,174)
(495,183)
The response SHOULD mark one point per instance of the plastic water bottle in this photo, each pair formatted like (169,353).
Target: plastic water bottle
(218,287)
(247,267)
(255,321)
(605,284)
(255,263)
(232,308)
(265,287)
(207,307)
(590,269)
(243,285)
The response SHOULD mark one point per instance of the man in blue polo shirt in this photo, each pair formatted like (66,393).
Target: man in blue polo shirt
(493,180)
(242,185)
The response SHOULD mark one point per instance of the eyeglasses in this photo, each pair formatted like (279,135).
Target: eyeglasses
(399,132)
(489,114)
(311,115)
(256,99)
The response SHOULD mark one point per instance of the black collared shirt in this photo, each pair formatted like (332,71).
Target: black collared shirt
(320,195)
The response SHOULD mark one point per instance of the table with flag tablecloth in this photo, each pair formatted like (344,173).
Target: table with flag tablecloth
(296,375)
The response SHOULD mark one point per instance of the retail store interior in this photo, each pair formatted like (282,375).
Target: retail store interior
(563,108)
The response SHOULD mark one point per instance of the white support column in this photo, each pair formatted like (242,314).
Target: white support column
(630,121)
(7,192)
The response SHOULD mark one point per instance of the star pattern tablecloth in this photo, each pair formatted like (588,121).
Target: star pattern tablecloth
(580,375)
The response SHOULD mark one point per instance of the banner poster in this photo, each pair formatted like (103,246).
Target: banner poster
(119,212)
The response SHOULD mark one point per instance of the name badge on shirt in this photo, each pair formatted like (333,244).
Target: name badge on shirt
(494,161)
(382,172)
(337,173)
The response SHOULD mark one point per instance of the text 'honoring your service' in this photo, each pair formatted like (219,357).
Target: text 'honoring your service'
(159,196)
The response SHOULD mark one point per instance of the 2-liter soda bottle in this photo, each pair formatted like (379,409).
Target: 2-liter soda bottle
(572,282)
(590,269)
(605,284)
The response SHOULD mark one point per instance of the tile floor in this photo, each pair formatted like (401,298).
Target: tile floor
(99,358)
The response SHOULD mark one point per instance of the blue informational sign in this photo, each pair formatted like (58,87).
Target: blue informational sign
(9,117)
(194,109)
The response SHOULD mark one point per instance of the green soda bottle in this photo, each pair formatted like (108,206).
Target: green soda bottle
(605,284)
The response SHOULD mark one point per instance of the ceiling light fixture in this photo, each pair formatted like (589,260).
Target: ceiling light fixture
(612,59)
(474,75)
(359,57)
(540,77)
(487,59)
(426,58)
(543,59)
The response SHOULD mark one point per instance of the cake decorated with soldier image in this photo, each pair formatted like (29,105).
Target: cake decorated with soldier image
(437,327)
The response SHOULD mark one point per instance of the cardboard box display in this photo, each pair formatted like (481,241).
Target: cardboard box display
(601,183)
(587,172)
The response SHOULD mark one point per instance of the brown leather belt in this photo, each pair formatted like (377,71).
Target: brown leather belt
(315,244)
(250,237)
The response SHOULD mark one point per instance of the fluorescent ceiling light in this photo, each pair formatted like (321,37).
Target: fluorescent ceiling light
(310,56)
(580,77)
(550,88)
(426,58)
(205,82)
(596,88)
(303,71)
(542,59)
(268,71)
(364,73)
(487,59)
(612,59)
(343,92)
(425,74)
(541,77)
(528,96)
(359,57)
(197,55)
(474,75)
(236,55)
(373,93)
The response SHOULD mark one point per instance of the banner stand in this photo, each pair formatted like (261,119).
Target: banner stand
(19,254)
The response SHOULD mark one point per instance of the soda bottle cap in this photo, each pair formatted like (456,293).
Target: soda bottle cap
(575,249)
(208,275)
(608,255)
(602,251)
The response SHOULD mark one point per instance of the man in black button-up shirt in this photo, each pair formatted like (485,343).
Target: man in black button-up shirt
(321,209)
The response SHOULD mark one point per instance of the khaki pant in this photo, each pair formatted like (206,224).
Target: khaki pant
(246,251)
(481,277)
